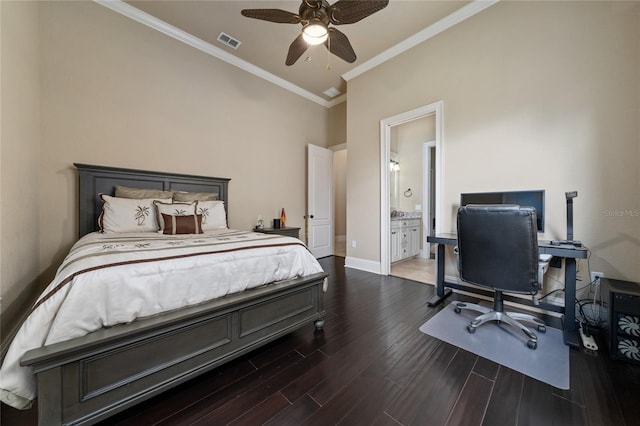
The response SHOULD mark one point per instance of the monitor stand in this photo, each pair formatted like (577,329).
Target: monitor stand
(570,196)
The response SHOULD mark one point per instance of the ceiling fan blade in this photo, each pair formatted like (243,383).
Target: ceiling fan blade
(272,15)
(350,11)
(339,45)
(297,48)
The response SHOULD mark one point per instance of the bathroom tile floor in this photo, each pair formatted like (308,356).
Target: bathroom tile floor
(416,269)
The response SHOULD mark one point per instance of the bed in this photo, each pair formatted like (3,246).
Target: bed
(88,378)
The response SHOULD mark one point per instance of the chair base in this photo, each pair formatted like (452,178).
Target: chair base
(511,318)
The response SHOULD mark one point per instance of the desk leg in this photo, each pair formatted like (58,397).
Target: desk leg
(570,330)
(441,292)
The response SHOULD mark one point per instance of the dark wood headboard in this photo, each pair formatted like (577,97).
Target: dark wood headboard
(96,180)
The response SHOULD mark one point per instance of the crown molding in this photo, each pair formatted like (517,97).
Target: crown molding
(335,101)
(119,6)
(189,39)
(473,8)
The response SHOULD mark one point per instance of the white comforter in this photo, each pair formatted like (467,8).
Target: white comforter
(109,279)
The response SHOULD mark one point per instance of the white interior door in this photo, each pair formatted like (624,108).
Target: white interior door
(320,201)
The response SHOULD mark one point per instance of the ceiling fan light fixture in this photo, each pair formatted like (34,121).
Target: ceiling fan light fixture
(315,32)
(315,17)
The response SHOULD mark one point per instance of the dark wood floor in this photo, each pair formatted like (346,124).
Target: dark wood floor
(373,366)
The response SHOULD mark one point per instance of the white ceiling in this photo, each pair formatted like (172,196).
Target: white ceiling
(264,45)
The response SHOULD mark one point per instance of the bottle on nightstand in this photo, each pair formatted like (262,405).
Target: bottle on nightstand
(283,218)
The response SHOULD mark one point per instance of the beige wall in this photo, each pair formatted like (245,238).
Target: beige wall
(337,135)
(340,192)
(114,92)
(536,95)
(19,158)
(337,132)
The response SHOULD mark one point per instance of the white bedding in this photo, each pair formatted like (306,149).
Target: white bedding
(109,279)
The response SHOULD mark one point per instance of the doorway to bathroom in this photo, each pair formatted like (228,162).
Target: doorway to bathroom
(410,147)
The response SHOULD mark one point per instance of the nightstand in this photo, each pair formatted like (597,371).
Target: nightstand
(289,231)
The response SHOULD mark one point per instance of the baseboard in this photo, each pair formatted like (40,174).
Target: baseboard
(362,265)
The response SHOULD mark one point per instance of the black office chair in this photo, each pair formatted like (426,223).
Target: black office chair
(498,249)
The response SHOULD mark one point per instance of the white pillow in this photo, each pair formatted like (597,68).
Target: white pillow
(127,215)
(213,214)
(173,209)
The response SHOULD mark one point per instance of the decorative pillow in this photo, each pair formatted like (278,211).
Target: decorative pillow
(128,214)
(194,196)
(139,193)
(175,209)
(214,216)
(173,224)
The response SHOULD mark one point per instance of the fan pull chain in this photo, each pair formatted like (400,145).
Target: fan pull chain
(329,54)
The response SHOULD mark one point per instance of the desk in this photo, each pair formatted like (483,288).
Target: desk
(566,251)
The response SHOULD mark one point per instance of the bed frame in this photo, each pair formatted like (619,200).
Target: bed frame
(87,379)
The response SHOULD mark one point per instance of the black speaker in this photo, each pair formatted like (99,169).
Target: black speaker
(624,320)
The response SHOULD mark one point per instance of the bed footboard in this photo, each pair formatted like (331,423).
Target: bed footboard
(88,379)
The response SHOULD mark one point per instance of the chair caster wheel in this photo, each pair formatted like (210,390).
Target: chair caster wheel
(542,329)
(457,310)
(471,329)
(532,344)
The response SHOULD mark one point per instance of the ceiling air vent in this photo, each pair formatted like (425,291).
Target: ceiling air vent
(228,40)
(332,92)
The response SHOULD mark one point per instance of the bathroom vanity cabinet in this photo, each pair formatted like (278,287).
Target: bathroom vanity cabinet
(405,238)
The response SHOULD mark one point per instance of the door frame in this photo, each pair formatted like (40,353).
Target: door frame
(427,195)
(437,109)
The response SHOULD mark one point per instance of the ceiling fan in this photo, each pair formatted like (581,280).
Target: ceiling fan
(315,17)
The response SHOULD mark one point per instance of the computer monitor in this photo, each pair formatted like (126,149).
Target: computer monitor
(522,198)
